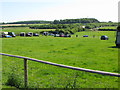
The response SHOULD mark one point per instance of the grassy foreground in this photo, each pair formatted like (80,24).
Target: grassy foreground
(89,52)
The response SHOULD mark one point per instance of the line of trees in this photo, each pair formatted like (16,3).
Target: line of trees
(72,28)
(62,26)
(65,21)
(82,20)
(66,28)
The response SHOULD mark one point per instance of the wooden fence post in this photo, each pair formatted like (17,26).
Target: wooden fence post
(25,73)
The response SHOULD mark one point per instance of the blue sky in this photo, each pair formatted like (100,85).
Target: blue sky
(22,10)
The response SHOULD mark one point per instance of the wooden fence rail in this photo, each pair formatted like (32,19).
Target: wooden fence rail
(55,64)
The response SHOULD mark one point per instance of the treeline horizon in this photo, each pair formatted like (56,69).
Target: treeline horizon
(64,21)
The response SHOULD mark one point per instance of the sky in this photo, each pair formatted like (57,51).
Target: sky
(49,10)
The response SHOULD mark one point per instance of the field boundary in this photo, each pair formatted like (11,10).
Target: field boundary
(55,64)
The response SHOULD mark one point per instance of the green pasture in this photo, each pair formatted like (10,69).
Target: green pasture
(17,30)
(109,27)
(85,52)
(37,24)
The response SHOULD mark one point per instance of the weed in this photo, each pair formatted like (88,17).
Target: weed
(13,80)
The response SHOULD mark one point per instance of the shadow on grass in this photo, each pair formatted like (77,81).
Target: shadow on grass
(114,47)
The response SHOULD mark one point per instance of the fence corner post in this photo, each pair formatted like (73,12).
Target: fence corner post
(25,73)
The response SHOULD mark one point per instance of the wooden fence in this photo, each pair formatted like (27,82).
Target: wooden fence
(55,64)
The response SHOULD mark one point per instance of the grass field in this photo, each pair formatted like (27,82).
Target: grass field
(109,27)
(84,52)
(20,24)
(17,30)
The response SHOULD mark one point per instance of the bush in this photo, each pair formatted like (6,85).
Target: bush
(14,80)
